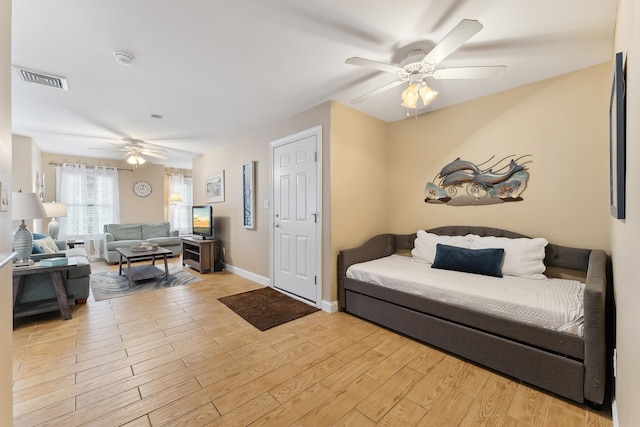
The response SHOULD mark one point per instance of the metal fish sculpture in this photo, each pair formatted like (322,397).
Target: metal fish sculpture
(458,165)
(458,177)
(489,178)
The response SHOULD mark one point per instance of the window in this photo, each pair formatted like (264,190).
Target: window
(92,199)
(180,212)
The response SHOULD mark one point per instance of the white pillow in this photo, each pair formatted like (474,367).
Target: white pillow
(523,257)
(47,244)
(424,249)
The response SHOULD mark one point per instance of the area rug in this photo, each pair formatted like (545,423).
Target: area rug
(266,308)
(107,285)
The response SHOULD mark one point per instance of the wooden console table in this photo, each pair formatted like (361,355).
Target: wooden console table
(200,254)
(62,301)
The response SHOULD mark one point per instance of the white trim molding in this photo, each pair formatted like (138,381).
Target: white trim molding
(264,281)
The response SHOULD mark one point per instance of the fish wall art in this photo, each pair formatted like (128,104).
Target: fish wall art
(463,183)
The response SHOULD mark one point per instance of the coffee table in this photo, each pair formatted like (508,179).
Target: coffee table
(142,272)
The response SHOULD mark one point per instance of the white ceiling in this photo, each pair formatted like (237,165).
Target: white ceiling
(219,70)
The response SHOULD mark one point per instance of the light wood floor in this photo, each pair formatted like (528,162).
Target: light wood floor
(179,357)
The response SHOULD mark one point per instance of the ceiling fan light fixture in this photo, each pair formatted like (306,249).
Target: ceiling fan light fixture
(427,94)
(410,96)
(416,91)
(135,159)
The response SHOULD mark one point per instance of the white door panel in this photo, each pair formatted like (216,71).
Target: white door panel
(294,217)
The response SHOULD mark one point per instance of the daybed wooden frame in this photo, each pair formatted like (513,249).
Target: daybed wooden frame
(578,374)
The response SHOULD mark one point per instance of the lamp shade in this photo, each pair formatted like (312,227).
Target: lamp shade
(55,210)
(26,206)
(175,198)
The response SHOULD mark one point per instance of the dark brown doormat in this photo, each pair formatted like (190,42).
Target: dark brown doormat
(265,308)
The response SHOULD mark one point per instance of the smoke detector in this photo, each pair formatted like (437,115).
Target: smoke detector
(123,58)
(50,80)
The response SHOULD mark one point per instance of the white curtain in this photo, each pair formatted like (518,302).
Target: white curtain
(180,212)
(92,199)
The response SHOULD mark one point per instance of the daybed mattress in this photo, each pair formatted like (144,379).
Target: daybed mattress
(554,304)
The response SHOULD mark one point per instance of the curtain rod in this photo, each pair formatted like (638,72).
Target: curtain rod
(89,166)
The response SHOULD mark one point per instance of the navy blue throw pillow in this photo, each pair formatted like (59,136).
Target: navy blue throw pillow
(479,261)
(36,249)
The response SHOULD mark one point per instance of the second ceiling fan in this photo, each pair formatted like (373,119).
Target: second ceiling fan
(419,65)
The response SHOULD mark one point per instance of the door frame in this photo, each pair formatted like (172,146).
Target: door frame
(317,132)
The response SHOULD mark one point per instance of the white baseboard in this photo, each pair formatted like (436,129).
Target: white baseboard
(264,281)
(329,306)
(326,306)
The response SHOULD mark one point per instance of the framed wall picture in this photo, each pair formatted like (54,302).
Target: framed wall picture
(617,143)
(248,195)
(214,188)
(4,197)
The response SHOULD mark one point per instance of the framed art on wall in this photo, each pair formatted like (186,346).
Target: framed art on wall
(248,195)
(4,197)
(617,144)
(214,188)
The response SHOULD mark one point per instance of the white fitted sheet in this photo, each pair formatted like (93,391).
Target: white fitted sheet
(552,303)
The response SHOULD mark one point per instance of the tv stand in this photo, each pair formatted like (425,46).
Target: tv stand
(200,254)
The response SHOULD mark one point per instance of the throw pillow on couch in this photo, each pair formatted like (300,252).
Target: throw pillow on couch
(44,244)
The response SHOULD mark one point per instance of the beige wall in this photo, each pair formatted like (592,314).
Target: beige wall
(26,154)
(624,233)
(360,187)
(132,208)
(249,249)
(6,309)
(562,122)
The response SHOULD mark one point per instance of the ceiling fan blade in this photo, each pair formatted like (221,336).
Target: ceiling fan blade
(154,148)
(377,91)
(462,32)
(367,63)
(154,154)
(470,72)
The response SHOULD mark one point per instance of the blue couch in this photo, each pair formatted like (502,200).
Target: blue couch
(38,287)
(126,235)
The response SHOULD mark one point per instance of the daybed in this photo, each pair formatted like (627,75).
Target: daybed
(126,235)
(572,365)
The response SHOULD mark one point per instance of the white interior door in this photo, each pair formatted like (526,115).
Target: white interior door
(295,217)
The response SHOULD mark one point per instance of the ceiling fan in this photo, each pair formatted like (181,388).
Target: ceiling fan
(134,149)
(419,65)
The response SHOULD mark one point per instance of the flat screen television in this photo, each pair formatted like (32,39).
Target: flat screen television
(202,221)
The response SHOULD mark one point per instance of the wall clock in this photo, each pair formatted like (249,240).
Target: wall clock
(142,188)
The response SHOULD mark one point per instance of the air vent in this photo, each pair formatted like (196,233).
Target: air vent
(41,78)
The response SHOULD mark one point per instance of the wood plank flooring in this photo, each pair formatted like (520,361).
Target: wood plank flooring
(179,357)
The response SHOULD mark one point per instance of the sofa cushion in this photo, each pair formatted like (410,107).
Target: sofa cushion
(165,241)
(479,261)
(125,231)
(112,246)
(83,269)
(48,245)
(159,229)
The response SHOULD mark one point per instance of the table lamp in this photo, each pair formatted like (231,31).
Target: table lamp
(175,198)
(25,206)
(55,210)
